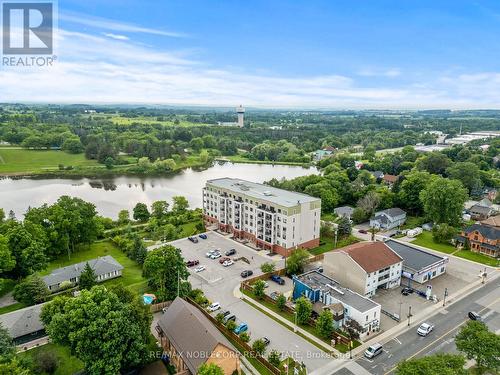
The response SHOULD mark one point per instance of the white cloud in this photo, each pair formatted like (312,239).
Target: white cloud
(372,72)
(116,36)
(102,69)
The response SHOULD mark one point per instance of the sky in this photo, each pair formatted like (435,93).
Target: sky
(385,54)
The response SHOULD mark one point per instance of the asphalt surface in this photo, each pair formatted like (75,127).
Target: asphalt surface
(485,301)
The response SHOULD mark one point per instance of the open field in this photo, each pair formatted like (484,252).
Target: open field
(327,244)
(120,120)
(132,272)
(14,160)
(67,364)
(242,159)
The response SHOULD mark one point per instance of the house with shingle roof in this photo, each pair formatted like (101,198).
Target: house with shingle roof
(484,239)
(105,268)
(365,267)
(190,340)
(24,325)
(388,219)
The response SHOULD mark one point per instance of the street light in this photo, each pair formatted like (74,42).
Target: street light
(409,315)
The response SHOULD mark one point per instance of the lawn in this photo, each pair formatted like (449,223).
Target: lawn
(10,308)
(327,244)
(479,258)
(425,239)
(242,159)
(119,120)
(14,160)
(68,364)
(131,274)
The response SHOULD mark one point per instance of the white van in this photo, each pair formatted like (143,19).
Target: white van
(373,351)
(214,306)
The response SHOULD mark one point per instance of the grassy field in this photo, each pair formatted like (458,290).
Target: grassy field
(475,257)
(243,159)
(14,160)
(327,244)
(425,239)
(10,308)
(67,364)
(119,120)
(131,274)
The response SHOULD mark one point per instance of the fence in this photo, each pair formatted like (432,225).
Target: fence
(159,306)
(247,348)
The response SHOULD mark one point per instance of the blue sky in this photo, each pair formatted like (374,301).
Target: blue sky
(329,54)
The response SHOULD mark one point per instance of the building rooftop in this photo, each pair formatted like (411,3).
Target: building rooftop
(317,281)
(494,221)
(490,232)
(263,192)
(372,256)
(392,212)
(191,333)
(413,257)
(23,321)
(101,266)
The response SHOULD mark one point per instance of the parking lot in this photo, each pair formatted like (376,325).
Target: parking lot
(221,284)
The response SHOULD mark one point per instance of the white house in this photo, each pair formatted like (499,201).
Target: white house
(388,219)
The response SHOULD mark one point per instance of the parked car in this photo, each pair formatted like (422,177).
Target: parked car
(203,236)
(243,327)
(266,341)
(475,316)
(215,255)
(406,291)
(193,239)
(278,279)
(225,313)
(200,268)
(274,295)
(227,318)
(209,254)
(230,252)
(214,307)
(373,350)
(223,259)
(247,273)
(192,263)
(228,263)
(364,232)
(425,329)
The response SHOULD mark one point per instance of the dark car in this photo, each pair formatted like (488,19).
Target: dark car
(363,231)
(278,279)
(231,252)
(266,341)
(247,273)
(193,239)
(475,316)
(225,313)
(203,236)
(406,291)
(223,259)
(192,263)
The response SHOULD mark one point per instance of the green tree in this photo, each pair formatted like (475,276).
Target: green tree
(443,233)
(231,325)
(159,209)
(359,215)
(166,272)
(259,289)
(434,162)
(72,145)
(88,277)
(479,344)
(344,227)
(245,337)
(107,334)
(180,205)
(7,261)
(281,302)
(274,358)
(443,200)
(196,144)
(259,347)
(437,364)
(123,217)
(467,173)
(141,212)
(267,267)
(7,347)
(109,162)
(324,324)
(303,309)
(210,369)
(31,290)
(296,261)
(410,189)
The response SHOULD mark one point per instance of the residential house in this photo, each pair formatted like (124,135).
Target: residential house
(388,219)
(323,153)
(325,292)
(418,264)
(344,211)
(105,268)
(190,340)
(379,175)
(493,221)
(273,219)
(364,267)
(390,179)
(24,325)
(479,212)
(484,239)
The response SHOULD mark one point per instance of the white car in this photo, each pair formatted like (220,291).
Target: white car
(228,263)
(215,255)
(214,307)
(425,329)
(199,269)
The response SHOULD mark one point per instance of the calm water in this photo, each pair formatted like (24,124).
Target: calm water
(114,194)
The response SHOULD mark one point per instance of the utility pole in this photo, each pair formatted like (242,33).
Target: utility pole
(295,327)
(409,315)
(400,303)
(483,275)
(445,295)
(178,283)
(336,232)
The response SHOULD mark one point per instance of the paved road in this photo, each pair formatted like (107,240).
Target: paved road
(485,300)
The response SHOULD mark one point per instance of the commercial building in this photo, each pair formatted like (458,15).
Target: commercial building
(105,268)
(325,291)
(418,265)
(24,325)
(273,219)
(365,267)
(191,340)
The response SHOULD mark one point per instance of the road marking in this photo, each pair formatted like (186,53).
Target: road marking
(440,337)
(397,340)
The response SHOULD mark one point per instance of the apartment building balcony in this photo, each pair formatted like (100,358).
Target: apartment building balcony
(267,209)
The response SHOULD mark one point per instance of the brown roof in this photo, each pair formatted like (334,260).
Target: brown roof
(372,256)
(191,333)
(390,178)
(494,221)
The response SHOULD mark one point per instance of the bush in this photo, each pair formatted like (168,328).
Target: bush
(274,358)
(245,337)
(267,267)
(231,325)
(31,290)
(46,362)
(281,302)
(66,285)
(258,289)
(443,233)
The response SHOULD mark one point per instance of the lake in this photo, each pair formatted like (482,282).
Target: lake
(110,195)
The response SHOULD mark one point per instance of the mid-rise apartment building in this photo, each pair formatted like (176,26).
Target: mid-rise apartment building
(274,219)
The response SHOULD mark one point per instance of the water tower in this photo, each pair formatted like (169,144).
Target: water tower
(241,112)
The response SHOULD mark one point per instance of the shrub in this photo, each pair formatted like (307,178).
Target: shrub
(267,267)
